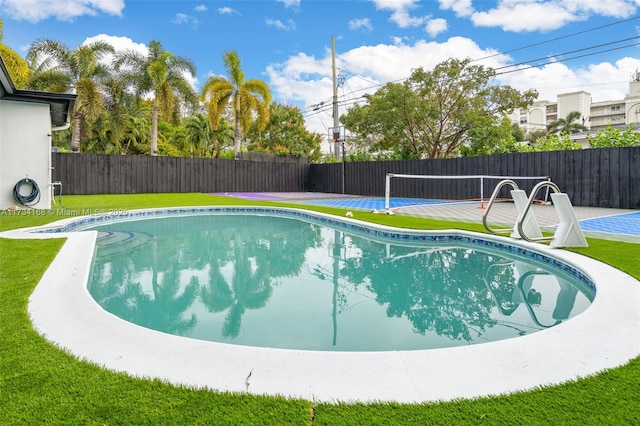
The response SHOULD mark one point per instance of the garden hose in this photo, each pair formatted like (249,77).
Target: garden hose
(59,195)
(30,199)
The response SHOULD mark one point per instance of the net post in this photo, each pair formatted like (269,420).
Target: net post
(546,195)
(387,191)
(481,192)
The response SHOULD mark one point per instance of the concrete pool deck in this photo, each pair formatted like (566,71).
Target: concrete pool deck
(606,335)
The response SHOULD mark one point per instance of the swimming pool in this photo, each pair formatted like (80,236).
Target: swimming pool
(295,283)
(603,336)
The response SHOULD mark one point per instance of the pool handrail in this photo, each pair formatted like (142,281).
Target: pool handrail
(494,195)
(523,215)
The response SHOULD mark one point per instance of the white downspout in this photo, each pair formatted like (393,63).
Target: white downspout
(65,126)
(52,185)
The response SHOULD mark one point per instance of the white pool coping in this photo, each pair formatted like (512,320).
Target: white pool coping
(606,335)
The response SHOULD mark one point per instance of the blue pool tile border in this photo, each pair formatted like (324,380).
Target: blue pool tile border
(418,236)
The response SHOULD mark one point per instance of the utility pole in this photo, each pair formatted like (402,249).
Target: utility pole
(336,123)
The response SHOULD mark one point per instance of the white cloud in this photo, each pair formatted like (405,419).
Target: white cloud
(531,15)
(200,8)
(363,23)
(400,12)
(436,26)
(289,26)
(227,11)
(395,4)
(182,18)
(404,20)
(462,8)
(520,16)
(293,4)
(67,10)
(119,43)
(613,8)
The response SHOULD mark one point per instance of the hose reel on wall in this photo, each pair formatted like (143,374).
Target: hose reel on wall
(30,199)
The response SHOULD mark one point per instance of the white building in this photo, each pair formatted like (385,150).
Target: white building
(27,119)
(595,116)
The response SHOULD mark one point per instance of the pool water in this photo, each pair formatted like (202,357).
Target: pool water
(284,282)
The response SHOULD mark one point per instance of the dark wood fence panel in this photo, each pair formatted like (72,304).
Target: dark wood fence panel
(591,177)
(120,174)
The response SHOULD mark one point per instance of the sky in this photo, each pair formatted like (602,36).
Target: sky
(552,46)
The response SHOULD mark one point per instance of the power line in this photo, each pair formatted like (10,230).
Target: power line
(568,59)
(546,58)
(342,103)
(319,107)
(558,38)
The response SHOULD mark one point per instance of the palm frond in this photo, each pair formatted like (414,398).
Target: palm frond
(232,64)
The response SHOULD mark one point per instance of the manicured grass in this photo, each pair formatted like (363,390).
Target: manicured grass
(41,384)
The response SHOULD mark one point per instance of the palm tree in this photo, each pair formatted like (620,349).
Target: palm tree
(248,99)
(16,65)
(222,136)
(57,68)
(199,134)
(206,140)
(567,125)
(137,134)
(161,75)
(119,107)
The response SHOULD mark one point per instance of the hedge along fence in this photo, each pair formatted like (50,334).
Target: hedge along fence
(124,174)
(591,177)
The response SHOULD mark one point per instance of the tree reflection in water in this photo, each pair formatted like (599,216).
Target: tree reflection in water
(440,291)
(230,264)
(112,285)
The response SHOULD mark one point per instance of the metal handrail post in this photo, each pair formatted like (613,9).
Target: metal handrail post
(524,213)
(496,191)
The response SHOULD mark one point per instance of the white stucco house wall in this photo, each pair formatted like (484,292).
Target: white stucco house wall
(27,119)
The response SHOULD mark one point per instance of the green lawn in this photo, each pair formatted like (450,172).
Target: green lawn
(41,384)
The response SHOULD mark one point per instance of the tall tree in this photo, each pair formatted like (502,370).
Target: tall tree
(161,75)
(285,134)
(568,125)
(249,99)
(431,113)
(16,65)
(491,140)
(120,107)
(57,68)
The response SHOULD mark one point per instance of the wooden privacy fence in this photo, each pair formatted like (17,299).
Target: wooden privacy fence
(591,177)
(125,174)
